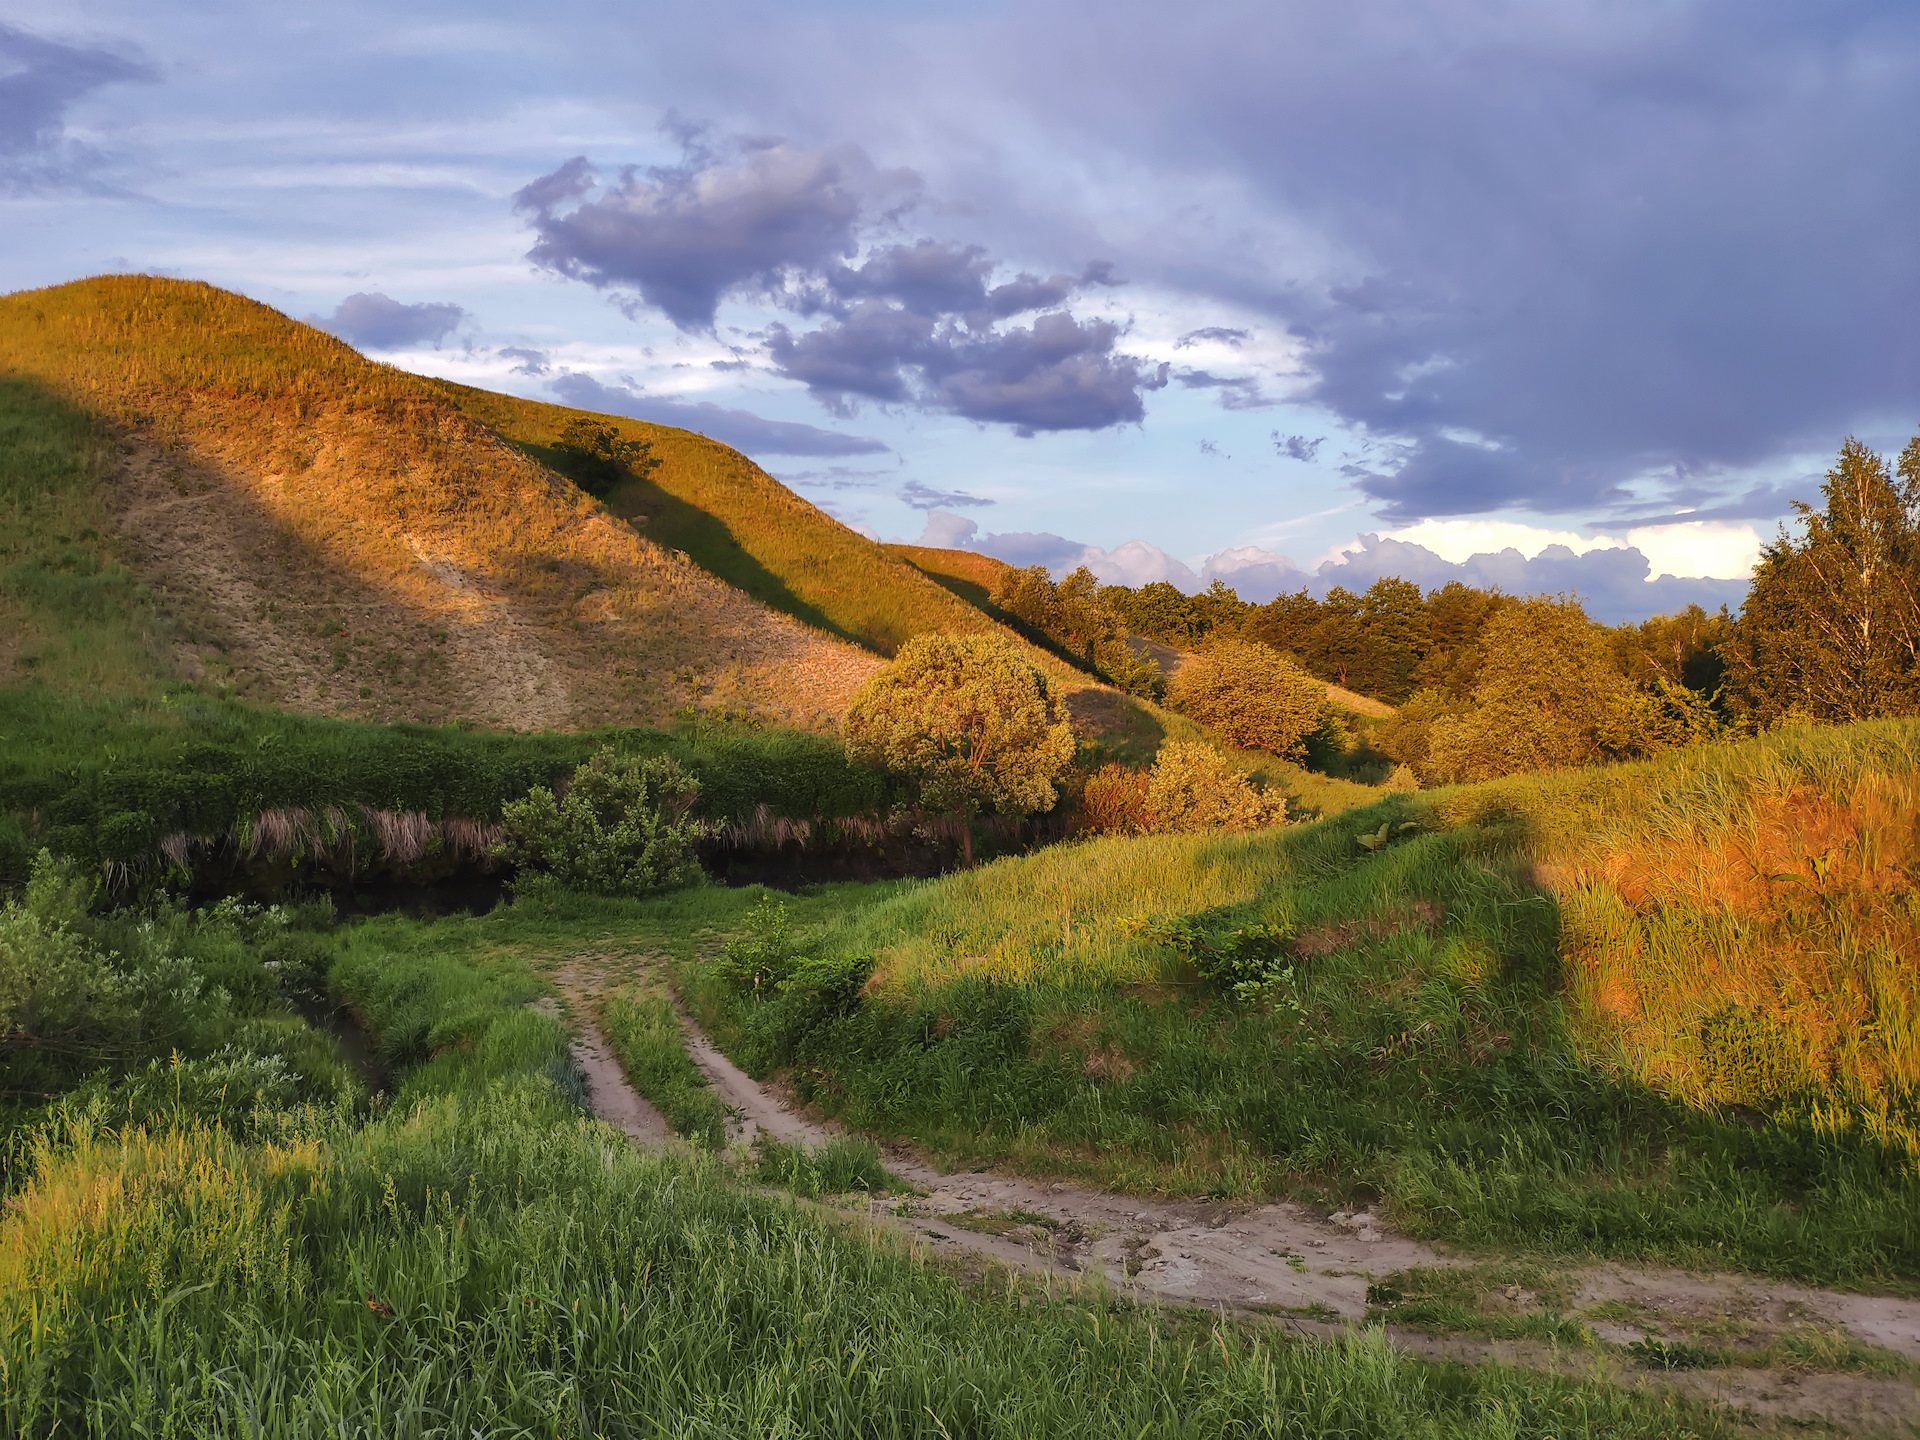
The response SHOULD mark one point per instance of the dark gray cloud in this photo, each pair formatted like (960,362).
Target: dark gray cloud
(1218,333)
(925,497)
(1617,241)
(681,237)
(742,429)
(530,362)
(1236,392)
(1058,373)
(372,321)
(43,79)
(926,323)
(1298,447)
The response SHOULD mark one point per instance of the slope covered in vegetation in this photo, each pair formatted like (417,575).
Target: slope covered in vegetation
(1660,1009)
(335,535)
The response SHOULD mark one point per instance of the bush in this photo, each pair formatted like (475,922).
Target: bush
(622,828)
(1250,695)
(1114,801)
(1191,787)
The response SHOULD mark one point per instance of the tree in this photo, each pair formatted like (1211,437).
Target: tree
(1250,695)
(1393,615)
(597,457)
(969,722)
(1548,696)
(1831,627)
(1076,618)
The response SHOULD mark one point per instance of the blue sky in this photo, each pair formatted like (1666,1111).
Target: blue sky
(1586,291)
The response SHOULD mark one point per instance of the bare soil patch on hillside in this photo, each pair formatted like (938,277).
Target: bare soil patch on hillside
(404,616)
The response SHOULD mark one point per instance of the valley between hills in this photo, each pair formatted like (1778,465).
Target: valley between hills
(516,922)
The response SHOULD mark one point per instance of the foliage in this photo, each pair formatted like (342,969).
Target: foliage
(1192,787)
(1250,695)
(1161,612)
(106,780)
(1076,619)
(968,720)
(845,1163)
(1831,627)
(1547,698)
(1241,959)
(597,457)
(621,828)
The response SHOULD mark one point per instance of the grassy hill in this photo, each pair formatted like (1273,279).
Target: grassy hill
(1666,1009)
(966,573)
(200,487)
(739,523)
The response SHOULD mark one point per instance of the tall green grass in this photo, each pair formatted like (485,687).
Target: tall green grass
(106,779)
(481,1258)
(1439,1032)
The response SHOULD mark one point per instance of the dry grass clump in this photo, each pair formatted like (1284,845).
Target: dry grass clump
(377,483)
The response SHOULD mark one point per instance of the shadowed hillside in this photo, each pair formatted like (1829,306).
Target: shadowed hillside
(330,534)
(733,519)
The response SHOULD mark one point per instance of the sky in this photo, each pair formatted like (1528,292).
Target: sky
(1559,297)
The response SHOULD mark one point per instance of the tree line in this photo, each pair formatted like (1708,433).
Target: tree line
(1488,683)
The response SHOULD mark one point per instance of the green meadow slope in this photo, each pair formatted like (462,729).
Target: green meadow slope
(1666,1009)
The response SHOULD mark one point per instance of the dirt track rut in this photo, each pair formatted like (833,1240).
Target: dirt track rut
(1313,1274)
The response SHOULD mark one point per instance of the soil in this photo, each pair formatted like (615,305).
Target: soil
(1311,1273)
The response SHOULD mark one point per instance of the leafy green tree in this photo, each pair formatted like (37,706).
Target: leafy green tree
(969,721)
(1075,617)
(1337,645)
(622,827)
(1250,695)
(1393,618)
(1547,697)
(1287,623)
(1831,627)
(1457,616)
(597,457)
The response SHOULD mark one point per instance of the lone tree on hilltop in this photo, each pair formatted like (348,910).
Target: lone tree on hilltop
(597,457)
(969,721)
(1831,627)
(1250,695)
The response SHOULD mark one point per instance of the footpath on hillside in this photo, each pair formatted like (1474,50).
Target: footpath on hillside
(1804,1354)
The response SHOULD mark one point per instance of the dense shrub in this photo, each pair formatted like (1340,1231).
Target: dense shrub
(1250,695)
(622,827)
(1189,787)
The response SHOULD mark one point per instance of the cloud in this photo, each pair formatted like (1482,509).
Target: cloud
(681,237)
(531,362)
(1237,392)
(43,79)
(923,497)
(742,429)
(1298,447)
(372,321)
(929,323)
(1059,373)
(1217,334)
(947,531)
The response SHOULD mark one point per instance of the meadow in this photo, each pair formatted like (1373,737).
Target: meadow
(1662,1011)
(473,1254)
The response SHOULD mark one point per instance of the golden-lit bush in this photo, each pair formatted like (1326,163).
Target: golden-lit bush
(1250,695)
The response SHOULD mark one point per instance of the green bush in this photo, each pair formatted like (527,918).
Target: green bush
(1250,695)
(622,827)
(1191,787)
